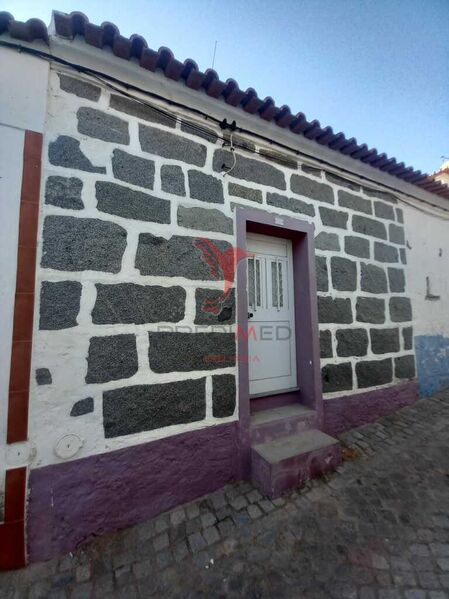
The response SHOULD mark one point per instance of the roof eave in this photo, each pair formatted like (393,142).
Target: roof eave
(73,38)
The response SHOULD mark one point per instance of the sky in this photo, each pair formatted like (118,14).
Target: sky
(378,70)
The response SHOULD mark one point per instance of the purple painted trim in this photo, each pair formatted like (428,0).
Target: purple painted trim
(242,351)
(72,502)
(306,314)
(272,401)
(344,413)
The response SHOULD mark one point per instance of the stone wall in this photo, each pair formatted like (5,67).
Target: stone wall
(123,351)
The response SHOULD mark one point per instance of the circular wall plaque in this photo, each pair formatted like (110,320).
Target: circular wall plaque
(68,446)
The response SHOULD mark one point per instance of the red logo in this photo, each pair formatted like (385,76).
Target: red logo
(223,265)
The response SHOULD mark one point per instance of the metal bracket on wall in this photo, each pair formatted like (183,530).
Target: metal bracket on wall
(429,295)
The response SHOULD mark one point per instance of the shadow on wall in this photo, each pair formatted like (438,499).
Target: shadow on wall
(432,358)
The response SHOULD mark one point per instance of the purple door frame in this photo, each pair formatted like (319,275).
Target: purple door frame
(301,234)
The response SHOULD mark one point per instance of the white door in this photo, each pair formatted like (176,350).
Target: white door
(271,321)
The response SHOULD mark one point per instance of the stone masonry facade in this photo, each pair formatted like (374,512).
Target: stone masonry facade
(121,334)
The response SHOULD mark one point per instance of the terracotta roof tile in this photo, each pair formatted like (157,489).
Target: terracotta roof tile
(33,29)
(108,35)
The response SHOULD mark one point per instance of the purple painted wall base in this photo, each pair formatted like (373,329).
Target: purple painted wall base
(73,502)
(344,413)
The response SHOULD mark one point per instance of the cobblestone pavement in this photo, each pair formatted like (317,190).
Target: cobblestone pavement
(376,529)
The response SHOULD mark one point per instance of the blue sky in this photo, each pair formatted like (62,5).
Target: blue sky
(377,70)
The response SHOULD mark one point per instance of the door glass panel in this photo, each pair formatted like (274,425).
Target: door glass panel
(258,294)
(277,284)
(274,284)
(251,281)
(254,282)
(281,284)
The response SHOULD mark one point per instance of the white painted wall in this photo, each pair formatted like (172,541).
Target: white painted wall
(428,256)
(23,98)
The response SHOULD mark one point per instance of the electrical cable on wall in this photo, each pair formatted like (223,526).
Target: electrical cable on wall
(108,81)
(232,149)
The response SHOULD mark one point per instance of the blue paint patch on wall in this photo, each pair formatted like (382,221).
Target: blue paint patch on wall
(432,361)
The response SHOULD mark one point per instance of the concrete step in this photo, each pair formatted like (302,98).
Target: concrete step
(291,461)
(284,421)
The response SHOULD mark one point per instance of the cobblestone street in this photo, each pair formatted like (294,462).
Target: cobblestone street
(377,528)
